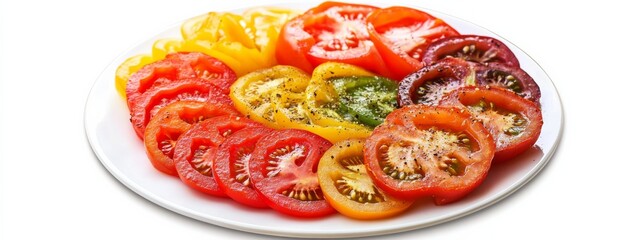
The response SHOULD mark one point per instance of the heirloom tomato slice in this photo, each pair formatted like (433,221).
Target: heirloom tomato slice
(514,122)
(507,77)
(349,189)
(283,170)
(473,48)
(153,74)
(208,68)
(402,36)
(231,165)
(429,151)
(196,149)
(429,84)
(155,98)
(330,32)
(272,96)
(170,122)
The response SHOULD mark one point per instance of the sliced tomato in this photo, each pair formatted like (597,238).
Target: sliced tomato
(170,122)
(283,170)
(193,89)
(331,31)
(155,74)
(231,165)
(349,189)
(514,122)
(429,151)
(402,35)
(128,67)
(474,48)
(208,68)
(197,148)
(430,83)
(508,77)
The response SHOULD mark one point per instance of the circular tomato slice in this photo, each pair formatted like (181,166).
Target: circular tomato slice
(154,99)
(331,31)
(170,122)
(429,151)
(155,74)
(207,68)
(283,170)
(514,122)
(402,36)
(508,77)
(196,150)
(349,189)
(231,168)
(480,49)
(430,83)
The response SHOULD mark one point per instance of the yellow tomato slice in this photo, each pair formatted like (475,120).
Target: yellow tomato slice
(128,67)
(349,189)
(162,47)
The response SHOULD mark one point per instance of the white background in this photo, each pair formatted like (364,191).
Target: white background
(54,187)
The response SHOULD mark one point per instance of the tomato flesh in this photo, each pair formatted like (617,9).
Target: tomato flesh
(514,122)
(283,170)
(170,122)
(507,77)
(367,99)
(429,151)
(429,84)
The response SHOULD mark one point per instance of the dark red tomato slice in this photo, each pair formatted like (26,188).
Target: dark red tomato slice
(153,74)
(430,83)
(504,76)
(514,122)
(208,68)
(429,151)
(480,49)
(196,150)
(331,31)
(402,36)
(152,100)
(283,170)
(231,168)
(170,122)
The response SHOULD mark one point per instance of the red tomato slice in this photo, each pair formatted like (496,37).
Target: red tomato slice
(153,74)
(429,151)
(402,36)
(208,68)
(196,150)
(231,168)
(170,122)
(514,122)
(473,48)
(154,99)
(331,31)
(283,170)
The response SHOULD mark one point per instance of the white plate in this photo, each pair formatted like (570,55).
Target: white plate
(121,152)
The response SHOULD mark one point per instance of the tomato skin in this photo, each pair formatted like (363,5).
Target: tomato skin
(452,72)
(196,149)
(170,122)
(334,173)
(402,131)
(194,89)
(294,174)
(315,37)
(225,169)
(506,147)
(485,50)
(403,34)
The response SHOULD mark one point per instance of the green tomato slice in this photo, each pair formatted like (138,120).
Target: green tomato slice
(366,99)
